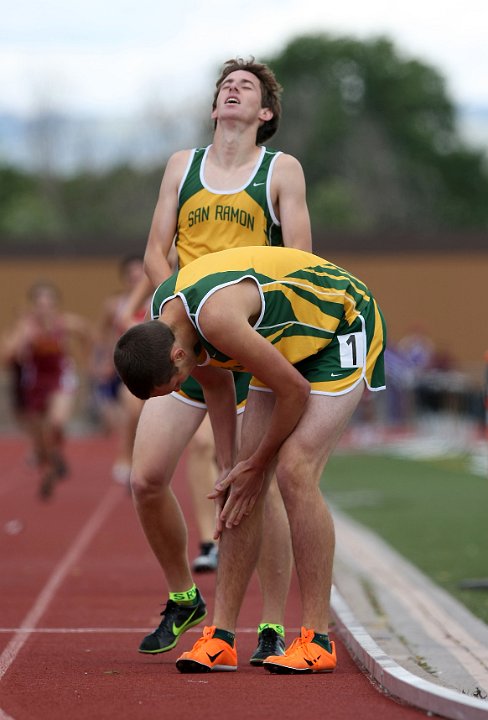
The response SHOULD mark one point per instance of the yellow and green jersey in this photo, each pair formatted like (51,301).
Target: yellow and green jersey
(213,220)
(317,315)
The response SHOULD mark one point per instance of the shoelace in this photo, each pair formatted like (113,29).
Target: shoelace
(168,609)
(294,646)
(268,640)
(170,612)
(207,635)
(302,643)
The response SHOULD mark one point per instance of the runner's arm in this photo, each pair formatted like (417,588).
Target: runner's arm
(163,225)
(219,390)
(289,193)
(224,320)
(220,397)
(158,258)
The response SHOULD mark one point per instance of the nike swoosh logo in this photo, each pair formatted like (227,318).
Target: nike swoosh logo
(178,628)
(214,657)
(336,374)
(256,184)
(310,663)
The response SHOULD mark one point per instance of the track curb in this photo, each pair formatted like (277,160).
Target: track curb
(396,680)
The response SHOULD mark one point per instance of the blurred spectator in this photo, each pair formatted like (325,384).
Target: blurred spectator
(432,376)
(118,409)
(417,349)
(400,375)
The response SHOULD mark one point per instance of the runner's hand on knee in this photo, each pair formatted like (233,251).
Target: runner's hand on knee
(245,483)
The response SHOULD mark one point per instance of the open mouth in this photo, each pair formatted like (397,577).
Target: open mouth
(232,101)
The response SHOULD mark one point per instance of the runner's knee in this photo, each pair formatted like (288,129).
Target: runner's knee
(296,473)
(146,483)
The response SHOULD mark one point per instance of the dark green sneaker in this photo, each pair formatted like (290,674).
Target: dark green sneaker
(176,620)
(269,643)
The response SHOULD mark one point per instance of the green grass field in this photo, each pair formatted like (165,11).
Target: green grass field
(435,513)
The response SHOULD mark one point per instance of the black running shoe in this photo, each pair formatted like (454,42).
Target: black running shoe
(61,468)
(176,620)
(208,559)
(48,483)
(269,643)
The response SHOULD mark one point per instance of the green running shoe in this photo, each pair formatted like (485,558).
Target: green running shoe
(176,620)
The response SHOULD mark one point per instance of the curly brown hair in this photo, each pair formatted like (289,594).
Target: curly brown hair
(270,92)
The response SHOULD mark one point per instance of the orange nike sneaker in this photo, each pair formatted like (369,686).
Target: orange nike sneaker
(303,656)
(209,654)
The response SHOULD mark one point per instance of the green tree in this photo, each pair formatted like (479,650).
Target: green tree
(115,206)
(88,213)
(376,133)
(28,211)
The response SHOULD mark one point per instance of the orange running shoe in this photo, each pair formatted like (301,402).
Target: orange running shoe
(209,654)
(303,656)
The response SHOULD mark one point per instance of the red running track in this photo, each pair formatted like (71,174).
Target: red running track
(79,588)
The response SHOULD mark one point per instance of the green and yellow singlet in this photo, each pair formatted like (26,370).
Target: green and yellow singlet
(317,315)
(213,220)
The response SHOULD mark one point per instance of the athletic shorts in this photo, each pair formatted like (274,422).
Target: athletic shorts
(191,391)
(354,355)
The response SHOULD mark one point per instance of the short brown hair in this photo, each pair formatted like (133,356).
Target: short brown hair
(142,357)
(270,92)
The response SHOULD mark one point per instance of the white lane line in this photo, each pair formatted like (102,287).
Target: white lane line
(79,545)
(4,716)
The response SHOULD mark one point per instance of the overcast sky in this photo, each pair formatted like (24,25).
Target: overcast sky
(119,56)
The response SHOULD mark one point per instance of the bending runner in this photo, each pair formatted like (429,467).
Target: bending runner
(312,336)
